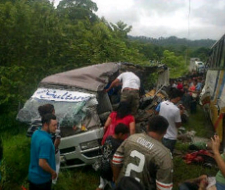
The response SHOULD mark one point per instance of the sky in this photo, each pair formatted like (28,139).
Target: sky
(191,19)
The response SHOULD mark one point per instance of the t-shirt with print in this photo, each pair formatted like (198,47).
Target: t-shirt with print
(147,160)
(109,148)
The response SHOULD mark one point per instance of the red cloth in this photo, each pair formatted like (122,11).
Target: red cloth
(180,86)
(192,89)
(196,157)
(114,121)
(126,120)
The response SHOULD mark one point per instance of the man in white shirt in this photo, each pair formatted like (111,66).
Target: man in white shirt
(172,113)
(130,89)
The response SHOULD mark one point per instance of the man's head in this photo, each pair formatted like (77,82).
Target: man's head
(123,109)
(175,95)
(121,131)
(46,108)
(158,125)
(49,123)
(195,81)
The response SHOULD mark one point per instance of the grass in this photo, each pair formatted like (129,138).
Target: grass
(199,123)
(15,163)
(203,128)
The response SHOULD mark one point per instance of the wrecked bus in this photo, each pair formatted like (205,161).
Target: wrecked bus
(82,106)
(213,93)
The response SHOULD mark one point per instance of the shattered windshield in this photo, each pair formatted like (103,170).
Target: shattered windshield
(73,116)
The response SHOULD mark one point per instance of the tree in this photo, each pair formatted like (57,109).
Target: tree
(175,63)
(78,9)
(121,29)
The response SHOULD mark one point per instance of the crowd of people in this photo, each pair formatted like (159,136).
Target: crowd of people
(147,157)
(139,161)
(192,87)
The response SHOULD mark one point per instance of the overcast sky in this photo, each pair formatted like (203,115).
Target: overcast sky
(156,18)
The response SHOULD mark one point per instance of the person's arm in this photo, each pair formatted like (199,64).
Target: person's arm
(116,171)
(117,161)
(157,110)
(201,181)
(182,108)
(114,83)
(215,148)
(107,123)
(132,127)
(45,166)
(178,114)
(178,125)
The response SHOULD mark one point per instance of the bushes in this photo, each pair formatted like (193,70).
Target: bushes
(16,156)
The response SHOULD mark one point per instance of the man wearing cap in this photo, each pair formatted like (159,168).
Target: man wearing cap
(130,89)
(143,157)
(42,155)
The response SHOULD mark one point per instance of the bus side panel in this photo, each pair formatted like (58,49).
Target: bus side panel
(215,108)
(221,105)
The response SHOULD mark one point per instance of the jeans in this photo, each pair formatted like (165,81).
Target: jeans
(220,186)
(170,144)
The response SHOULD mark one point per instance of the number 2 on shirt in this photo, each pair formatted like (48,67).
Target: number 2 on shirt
(137,168)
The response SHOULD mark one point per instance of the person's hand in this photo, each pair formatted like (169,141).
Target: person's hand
(54,175)
(203,183)
(56,150)
(105,128)
(215,144)
(106,90)
(181,107)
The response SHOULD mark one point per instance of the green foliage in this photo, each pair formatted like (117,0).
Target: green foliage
(14,167)
(78,178)
(8,123)
(121,29)
(175,63)
(201,53)
(174,41)
(78,10)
